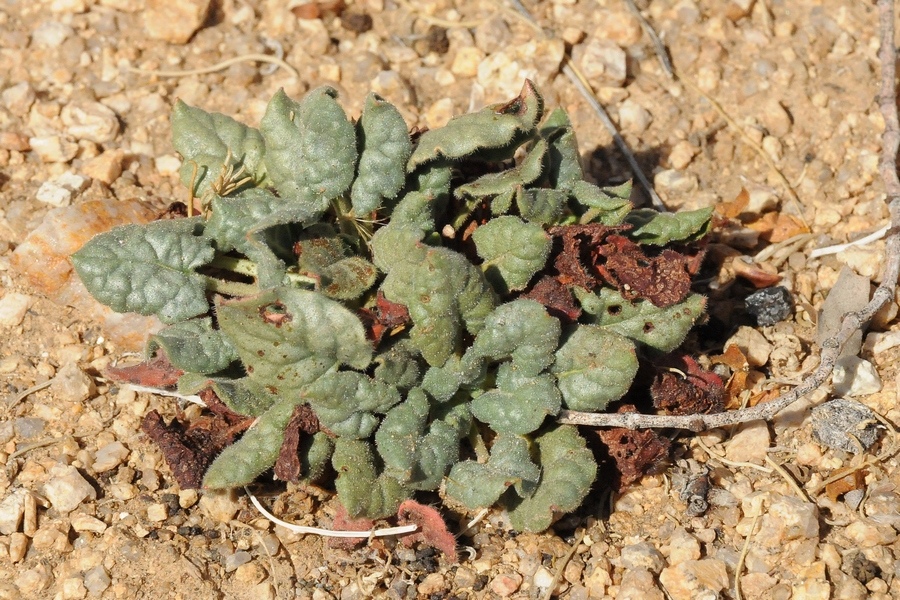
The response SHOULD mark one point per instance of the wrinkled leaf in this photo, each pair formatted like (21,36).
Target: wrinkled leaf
(288,337)
(608,205)
(194,346)
(520,403)
(658,229)
(231,219)
(425,197)
(361,490)
(400,430)
(346,402)
(398,246)
(513,251)
(397,367)
(521,330)
(661,328)
(543,206)
(384,147)
(204,139)
(148,269)
(476,485)
(310,146)
(492,184)
(443,382)
(564,163)
(594,367)
(567,472)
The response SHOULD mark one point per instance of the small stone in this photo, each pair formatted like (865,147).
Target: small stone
(432,584)
(621,27)
(96,580)
(232,562)
(62,190)
(29,427)
(34,581)
(18,545)
(71,384)
(775,119)
(174,22)
(868,534)
(466,61)
(439,113)
(464,578)
(762,199)
(854,376)
(750,443)
(249,573)
(157,512)
(220,506)
(51,537)
(633,117)
(109,457)
(672,181)
(683,547)
(506,585)
(53,148)
(392,86)
(11,140)
(18,98)
(13,307)
(107,167)
(770,305)
(66,488)
(90,121)
(834,421)
(811,583)
(543,578)
(81,523)
(492,35)
(643,556)
(73,588)
(755,347)
(51,34)
(695,579)
(755,585)
(682,154)
(785,519)
(187,498)
(639,584)
(168,164)
(602,62)
(262,591)
(12,508)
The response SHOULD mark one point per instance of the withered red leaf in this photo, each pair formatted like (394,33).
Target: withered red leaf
(343,522)
(157,373)
(633,452)
(682,387)
(432,528)
(576,250)
(556,297)
(303,420)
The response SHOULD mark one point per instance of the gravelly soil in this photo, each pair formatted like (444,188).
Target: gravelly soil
(87,506)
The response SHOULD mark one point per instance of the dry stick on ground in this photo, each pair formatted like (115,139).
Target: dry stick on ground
(850,322)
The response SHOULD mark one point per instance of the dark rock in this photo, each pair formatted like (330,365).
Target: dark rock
(770,305)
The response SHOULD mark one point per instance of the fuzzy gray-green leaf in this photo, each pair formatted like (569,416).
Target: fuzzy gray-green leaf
(542,205)
(608,205)
(658,229)
(310,146)
(194,346)
(513,251)
(399,432)
(346,402)
(520,403)
(384,147)
(231,219)
(478,485)
(521,330)
(594,367)
(493,184)
(564,164)
(360,489)
(148,269)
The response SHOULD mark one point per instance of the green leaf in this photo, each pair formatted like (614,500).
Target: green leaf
(397,367)
(398,246)
(322,254)
(148,269)
(310,146)
(661,328)
(194,346)
(397,437)
(513,251)
(476,485)
(315,455)
(360,489)
(520,403)
(543,206)
(594,367)
(231,219)
(204,139)
(244,396)
(607,205)
(659,229)
(444,381)
(442,293)
(492,184)
(425,198)
(242,462)
(564,163)
(287,338)
(490,128)
(521,330)
(384,147)
(438,449)
(567,472)
(346,402)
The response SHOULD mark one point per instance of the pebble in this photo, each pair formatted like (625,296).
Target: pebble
(762,199)
(784,519)
(71,384)
(682,154)
(12,508)
(642,556)
(505,585)
(755,585)
(867,534)
(18,545)
(754,345)
(249,573)
(73,588)
(174,22)
(673,181)
(695,579)
(750,443)
(864,260)
(12,140)
(13,307)
(770,305)
(96,580)
(854,376)
(29,427)
(233,561)
(18,98)
(775,119)
(33,581)
(63,189)
(107,167)
(639,584)
(634,118)
(432,584)
(158,513)
(220,506)
(621,27)
(51,536)
(109,457)
(393,87)
(602,62)
(262,591)
(439,113)
(82,522)
(833,421)
(811,583)
(492,35)
(683,547)
(53,148)
(878,342)
(187,498)
(51,34)
(90,121)
(66,488)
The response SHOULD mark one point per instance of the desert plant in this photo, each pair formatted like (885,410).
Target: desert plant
(433,300)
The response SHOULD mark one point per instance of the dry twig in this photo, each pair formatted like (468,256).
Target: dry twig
(850,322)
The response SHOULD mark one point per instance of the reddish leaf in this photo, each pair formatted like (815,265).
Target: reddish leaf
(633,453)
(384,317)
(303,420)
(432,528)
(556,297)
(734,208)
(577,259)
(343,522)
(852,481)
(682,387)
(157,373)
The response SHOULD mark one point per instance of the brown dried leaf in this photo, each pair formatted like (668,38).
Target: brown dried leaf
(432,528)
(577,252)
(682,387)
(760,276)
(556,297)
(157,373)
(303,420)
(633,452)
(851,481)
(734,208)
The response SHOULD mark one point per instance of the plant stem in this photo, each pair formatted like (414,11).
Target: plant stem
(242,266)
(230,288)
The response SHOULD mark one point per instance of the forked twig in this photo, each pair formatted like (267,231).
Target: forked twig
(851,322)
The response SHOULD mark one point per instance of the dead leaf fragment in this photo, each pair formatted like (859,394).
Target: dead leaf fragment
(852,481)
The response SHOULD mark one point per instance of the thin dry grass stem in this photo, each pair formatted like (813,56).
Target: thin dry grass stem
(584,88)
(561,567)
(743,557)
(445,23)
(25,393)
(219,66)
(790,480)
(730,463)
(872,237)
